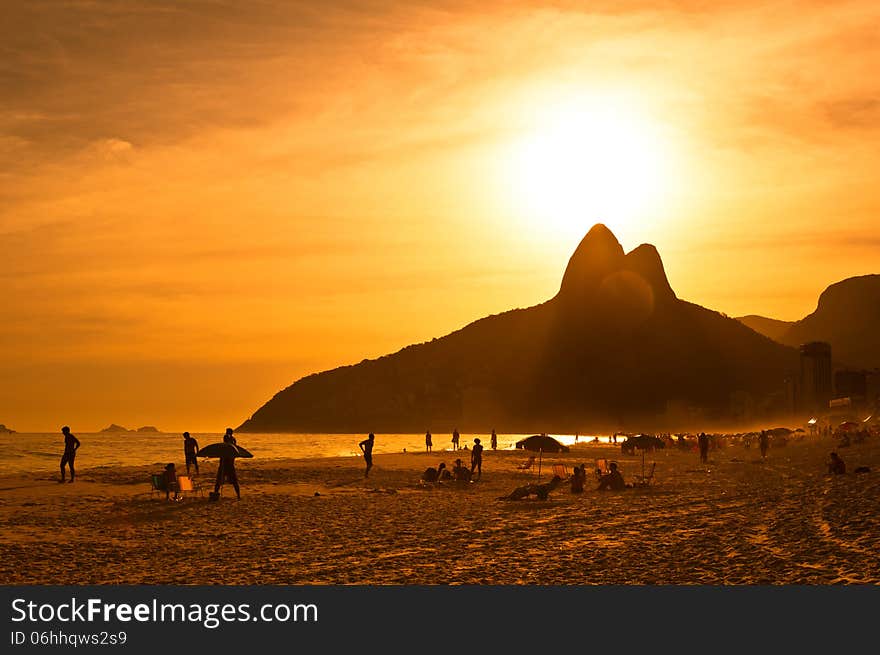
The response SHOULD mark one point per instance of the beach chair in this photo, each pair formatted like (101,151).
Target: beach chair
(157,484)
(562,471)
(186,484)
(645,480)
(526,465)
(602,467)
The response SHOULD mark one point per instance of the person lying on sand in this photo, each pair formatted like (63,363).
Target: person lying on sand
(542,491)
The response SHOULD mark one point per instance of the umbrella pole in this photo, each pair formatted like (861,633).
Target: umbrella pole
(540,458)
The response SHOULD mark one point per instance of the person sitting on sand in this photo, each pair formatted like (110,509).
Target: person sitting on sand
(612,480)
(578,477)
(542,491)
(169,481)
(836,465)
(432,474)
(429,442)
(461,473)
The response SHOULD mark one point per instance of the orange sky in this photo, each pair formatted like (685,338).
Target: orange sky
(201,202)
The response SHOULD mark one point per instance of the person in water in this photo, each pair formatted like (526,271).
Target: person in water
(71,445)
(494,441)
(612,480)
(366,447)
(477,458)
(429,442)
(190,448)
(226,471)
(228,437)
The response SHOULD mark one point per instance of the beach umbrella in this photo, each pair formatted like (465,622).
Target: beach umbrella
(848,425)
(779,432)
(223,450)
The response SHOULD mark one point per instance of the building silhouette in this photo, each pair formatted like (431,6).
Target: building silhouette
(815,382)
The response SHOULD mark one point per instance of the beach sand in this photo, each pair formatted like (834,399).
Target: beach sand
(736,520)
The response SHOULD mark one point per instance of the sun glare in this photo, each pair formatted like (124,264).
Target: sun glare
(584,163)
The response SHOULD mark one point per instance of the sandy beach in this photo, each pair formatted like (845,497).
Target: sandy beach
(735,520)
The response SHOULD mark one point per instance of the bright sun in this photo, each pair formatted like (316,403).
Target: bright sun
(589,162)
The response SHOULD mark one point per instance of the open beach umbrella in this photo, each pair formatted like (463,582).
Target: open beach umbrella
(223,450)
(779,432)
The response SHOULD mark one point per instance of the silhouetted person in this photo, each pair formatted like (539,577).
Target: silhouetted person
(429,442)
(612,480)
(477,458)
(432,474)
(169,480)
(460,472)
(703,441)
(494,441)
(764,443)
(578,477)
(71,444)
(836,465)
(455,438)
(366,447)
(228,438)
(542,491)
(190,448)
(226,471)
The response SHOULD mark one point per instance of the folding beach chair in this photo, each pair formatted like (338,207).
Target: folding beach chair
(646,480)
(527,464)
(562,471)
(186,484)
(157,484)
(602,467)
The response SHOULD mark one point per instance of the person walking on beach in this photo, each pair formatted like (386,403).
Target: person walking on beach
(477,458)
(228,438)
(429,442)
(190,448)
(836,465)
(71,445)
(494,442)
(226,471)
(764,442)
(455,438)
(366,447)
(703,441)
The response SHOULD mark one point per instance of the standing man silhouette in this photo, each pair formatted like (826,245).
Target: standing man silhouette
(190,448)
(494,441)
(429,443)
(477,458)
(71,445)
(366,447)
(455,437)
(228,437)
(703,441)
(764,442)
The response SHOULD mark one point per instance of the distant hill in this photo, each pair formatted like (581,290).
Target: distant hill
(614,347)
(116,428)
(847,317)
(148,428)
(5,430)
(769,327)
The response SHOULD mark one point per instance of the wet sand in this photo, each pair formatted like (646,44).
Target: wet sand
(737,520)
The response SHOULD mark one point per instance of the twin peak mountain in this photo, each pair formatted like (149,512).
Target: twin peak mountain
(614,349)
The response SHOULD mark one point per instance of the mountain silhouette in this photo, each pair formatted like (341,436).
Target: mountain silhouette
(614,348)
(847,316)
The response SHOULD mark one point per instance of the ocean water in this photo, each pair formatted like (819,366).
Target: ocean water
(40,452)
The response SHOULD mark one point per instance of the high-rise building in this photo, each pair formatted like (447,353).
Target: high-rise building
(815,385)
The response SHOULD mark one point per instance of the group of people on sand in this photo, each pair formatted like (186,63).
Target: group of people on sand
(225,471)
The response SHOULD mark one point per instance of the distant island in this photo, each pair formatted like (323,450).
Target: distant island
(5,430)
(614,349)
(116,428)
(148,428)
